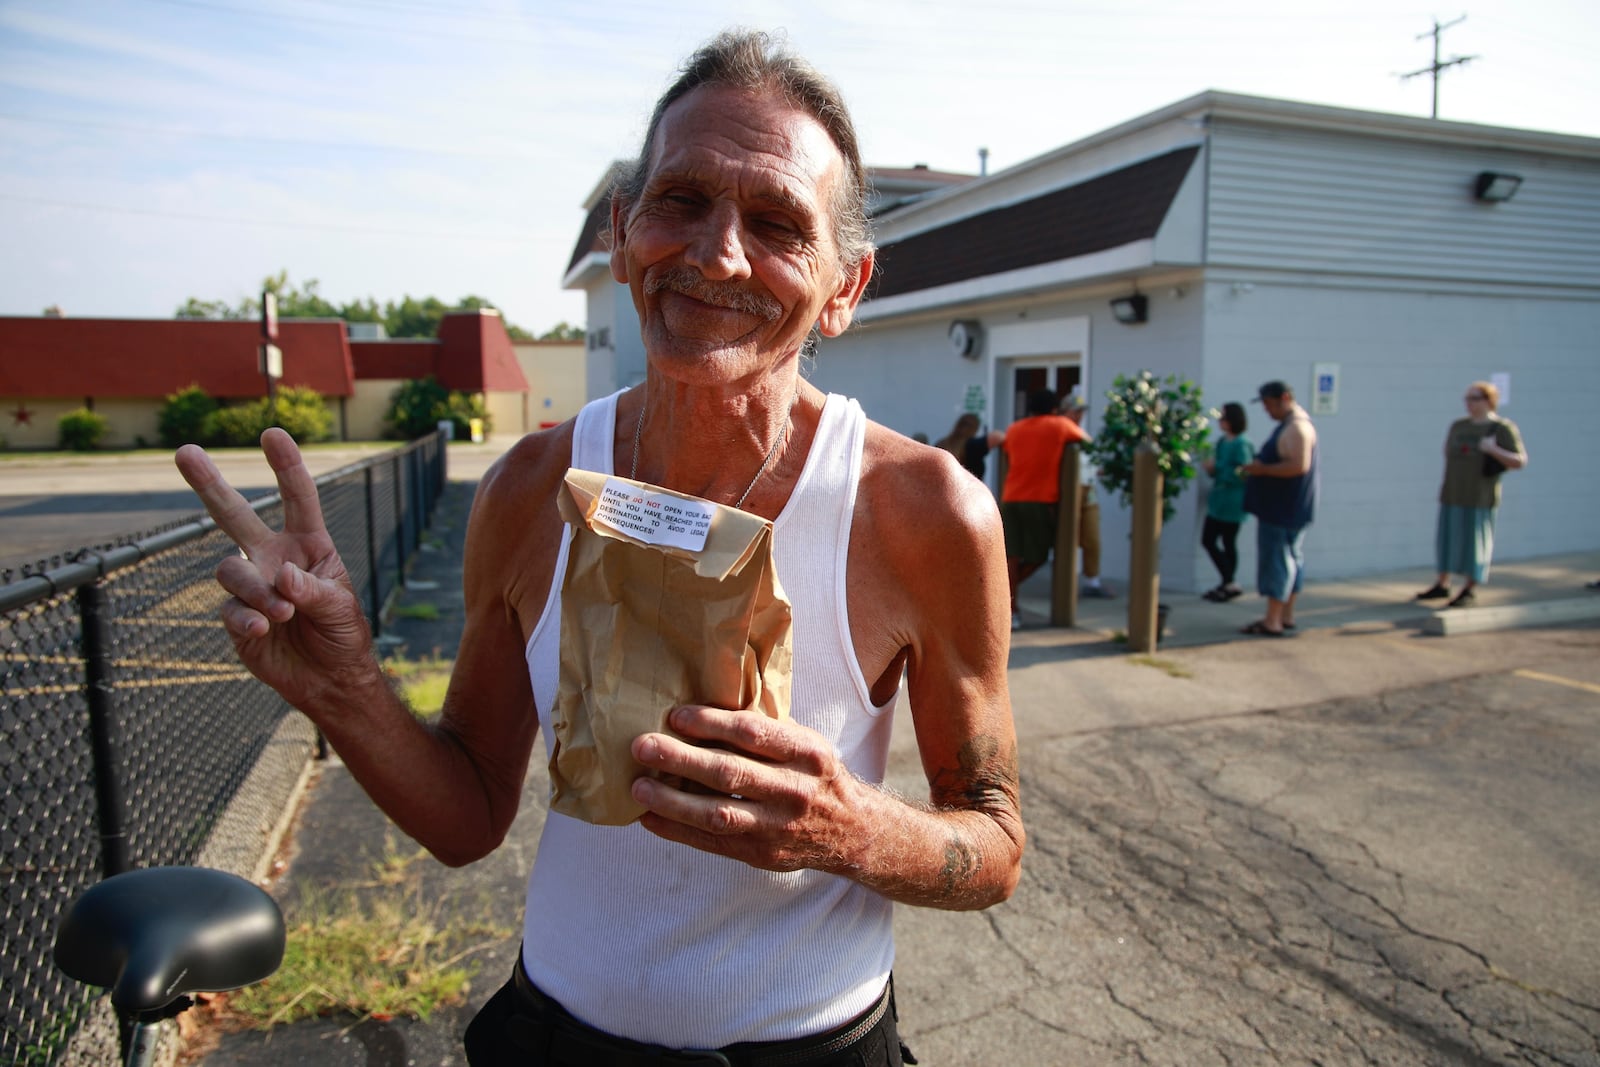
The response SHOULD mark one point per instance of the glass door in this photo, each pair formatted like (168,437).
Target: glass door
(1061,375)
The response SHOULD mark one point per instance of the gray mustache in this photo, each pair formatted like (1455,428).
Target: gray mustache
(719,294)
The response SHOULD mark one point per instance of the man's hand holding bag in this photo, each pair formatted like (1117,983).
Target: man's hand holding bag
(667,599)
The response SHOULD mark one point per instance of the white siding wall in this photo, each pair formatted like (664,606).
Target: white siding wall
(619,361)
(1329,202)
(1406,356)
(905,375)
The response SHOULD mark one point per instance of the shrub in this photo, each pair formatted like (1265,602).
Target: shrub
(81,430)
(239,425)
(465,407)
(186,418)
(418,407)
(1166,413)
(302,412)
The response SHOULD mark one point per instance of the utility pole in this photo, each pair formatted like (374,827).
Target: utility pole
(1436,67)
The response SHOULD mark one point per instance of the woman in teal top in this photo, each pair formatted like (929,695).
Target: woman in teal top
(1225,508)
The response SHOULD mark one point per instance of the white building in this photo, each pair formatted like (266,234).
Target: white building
(1348,253)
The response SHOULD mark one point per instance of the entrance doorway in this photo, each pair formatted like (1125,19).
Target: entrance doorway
(1060,374)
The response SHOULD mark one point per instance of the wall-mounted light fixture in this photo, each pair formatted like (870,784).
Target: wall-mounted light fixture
(965,335)
(1493,187)
(1131,309)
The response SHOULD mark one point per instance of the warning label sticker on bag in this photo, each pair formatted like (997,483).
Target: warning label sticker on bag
(654,518)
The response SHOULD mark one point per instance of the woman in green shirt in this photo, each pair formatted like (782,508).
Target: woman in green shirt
(1225,507)
(1476,449)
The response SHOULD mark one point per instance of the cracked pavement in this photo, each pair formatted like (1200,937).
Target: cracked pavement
(1391,876)
(1349,847)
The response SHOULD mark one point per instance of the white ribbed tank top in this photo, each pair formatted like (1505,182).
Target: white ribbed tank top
(662,943)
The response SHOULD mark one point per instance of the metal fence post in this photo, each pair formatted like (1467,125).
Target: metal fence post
(402,549)
(1144,580)
(1064,575)
(374,572)
(110,804)
(441,468)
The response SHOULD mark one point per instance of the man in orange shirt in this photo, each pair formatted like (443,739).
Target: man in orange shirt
(1031,496)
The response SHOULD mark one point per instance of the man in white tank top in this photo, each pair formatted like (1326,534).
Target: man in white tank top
(750,915)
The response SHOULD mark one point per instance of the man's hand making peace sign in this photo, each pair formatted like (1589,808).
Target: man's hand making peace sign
(294,617)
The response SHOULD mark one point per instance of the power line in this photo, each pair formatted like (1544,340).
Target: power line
(1436,67)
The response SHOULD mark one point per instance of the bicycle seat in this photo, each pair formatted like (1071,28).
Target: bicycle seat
(155,935)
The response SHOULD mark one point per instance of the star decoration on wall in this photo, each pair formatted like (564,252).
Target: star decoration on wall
(22,416)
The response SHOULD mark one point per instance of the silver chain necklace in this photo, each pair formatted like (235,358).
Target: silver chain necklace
(638,432)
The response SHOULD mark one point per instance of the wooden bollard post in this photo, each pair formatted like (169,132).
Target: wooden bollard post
(1064,573)
(1144,578)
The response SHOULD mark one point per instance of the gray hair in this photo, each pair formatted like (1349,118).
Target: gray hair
(755,61)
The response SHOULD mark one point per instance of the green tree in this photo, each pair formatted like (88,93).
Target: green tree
(195,308)
(408,317)
(296,302)
(414,318)
(357,311)
(418,406)
(563,331)
(1166,413)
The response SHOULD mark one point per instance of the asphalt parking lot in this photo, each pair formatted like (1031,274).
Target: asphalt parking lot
(1361,846)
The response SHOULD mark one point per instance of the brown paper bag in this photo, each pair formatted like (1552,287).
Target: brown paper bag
(667,599)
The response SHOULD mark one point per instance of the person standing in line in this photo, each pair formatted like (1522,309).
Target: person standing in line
(1030,500)
(1477,449)
(1075,409)
(1281,492)
(1225,506)
(969,445)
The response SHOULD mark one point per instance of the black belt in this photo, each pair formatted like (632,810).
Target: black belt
(548,1029)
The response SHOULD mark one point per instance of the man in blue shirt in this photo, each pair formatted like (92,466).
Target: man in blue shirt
(1281,492)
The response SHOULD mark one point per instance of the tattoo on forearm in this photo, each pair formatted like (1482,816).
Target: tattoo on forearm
(961,864)
(985,778)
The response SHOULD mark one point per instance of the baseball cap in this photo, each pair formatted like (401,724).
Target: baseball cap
(1273,389)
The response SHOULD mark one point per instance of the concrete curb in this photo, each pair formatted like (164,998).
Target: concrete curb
(1540,613)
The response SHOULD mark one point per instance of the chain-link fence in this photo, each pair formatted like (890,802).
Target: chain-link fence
(129,728)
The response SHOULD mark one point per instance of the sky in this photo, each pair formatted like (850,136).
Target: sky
(157,150)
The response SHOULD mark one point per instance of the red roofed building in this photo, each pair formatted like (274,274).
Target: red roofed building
(125,368)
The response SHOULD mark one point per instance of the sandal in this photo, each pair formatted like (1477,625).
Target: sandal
(1259,629)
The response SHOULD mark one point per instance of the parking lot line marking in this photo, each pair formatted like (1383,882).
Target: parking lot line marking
(1556,679)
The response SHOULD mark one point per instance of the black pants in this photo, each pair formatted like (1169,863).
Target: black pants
(522,1027)
(1221,542)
